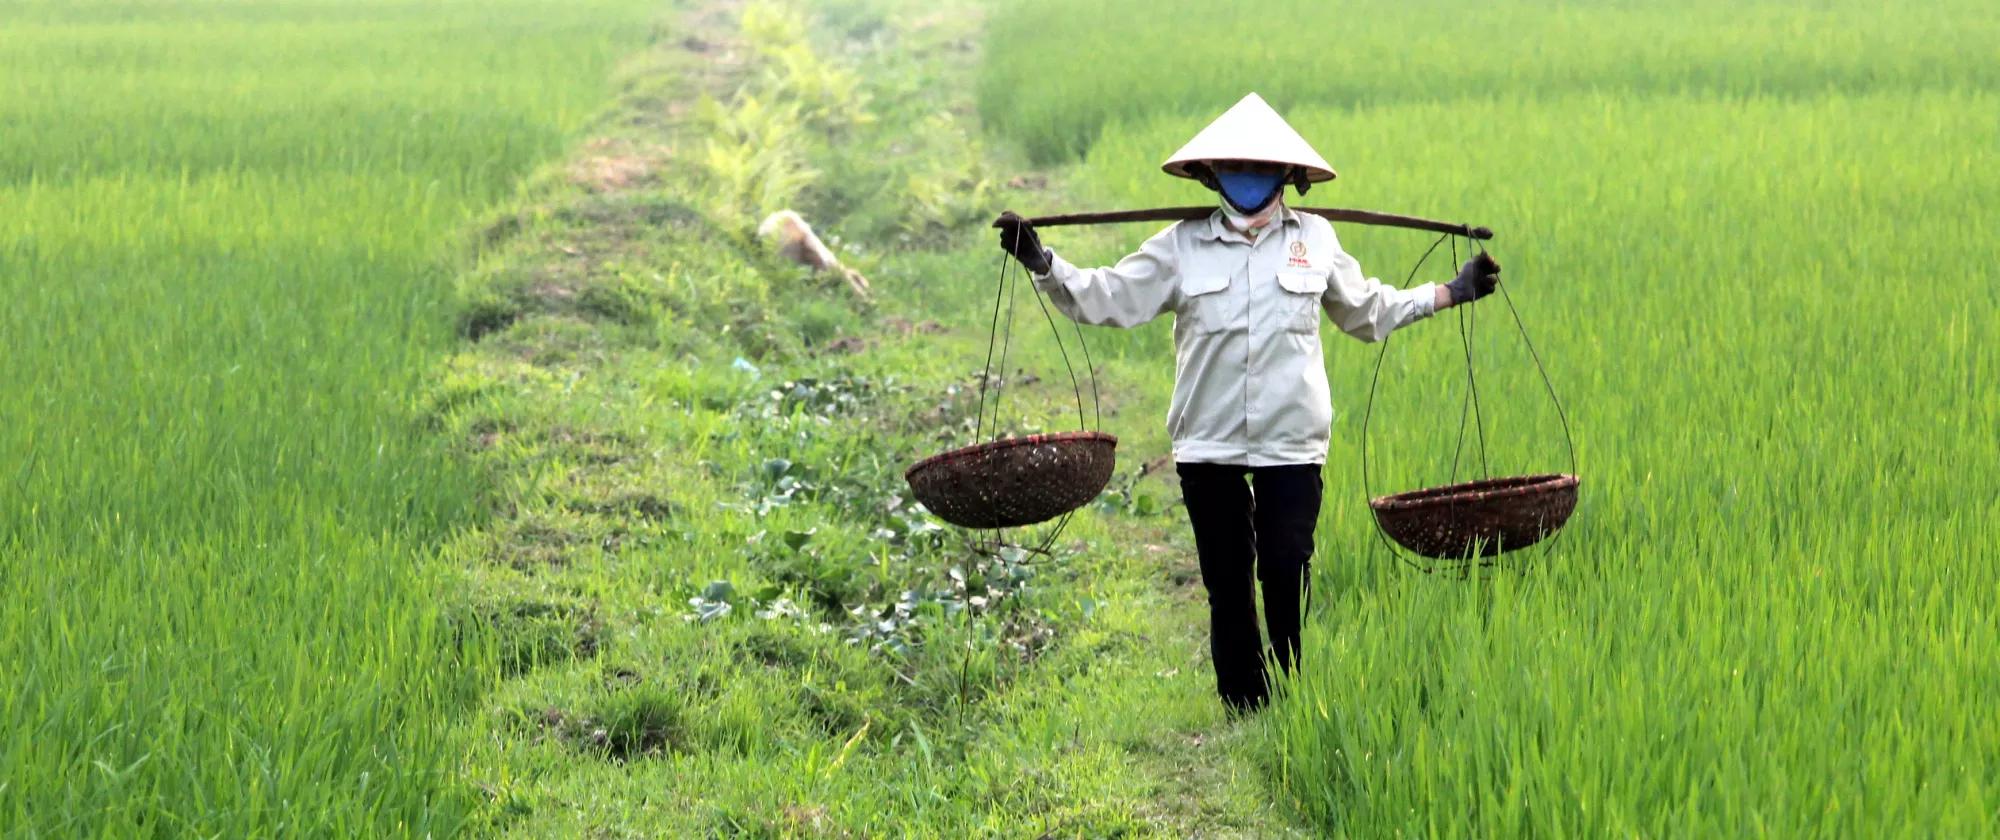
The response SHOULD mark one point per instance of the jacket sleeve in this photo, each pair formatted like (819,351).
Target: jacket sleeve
(1370,309)
(1136,290)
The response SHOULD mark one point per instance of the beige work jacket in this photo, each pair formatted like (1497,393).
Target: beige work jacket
(1249,383)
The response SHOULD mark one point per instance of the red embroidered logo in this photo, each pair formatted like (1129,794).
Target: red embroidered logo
(1298,259)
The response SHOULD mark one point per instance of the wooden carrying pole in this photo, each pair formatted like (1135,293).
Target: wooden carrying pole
(1180,214)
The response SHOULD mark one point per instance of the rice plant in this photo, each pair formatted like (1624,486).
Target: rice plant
(1745,240)
(225,251)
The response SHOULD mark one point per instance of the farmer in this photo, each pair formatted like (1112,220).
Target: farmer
(1251,415)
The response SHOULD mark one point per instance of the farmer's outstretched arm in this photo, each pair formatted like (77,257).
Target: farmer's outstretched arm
(1370,309)
(1136,290)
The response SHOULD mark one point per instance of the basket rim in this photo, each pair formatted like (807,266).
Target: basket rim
(1009,443)
(1485,489)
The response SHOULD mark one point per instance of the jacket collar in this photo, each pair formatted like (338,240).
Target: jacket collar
(1218,228)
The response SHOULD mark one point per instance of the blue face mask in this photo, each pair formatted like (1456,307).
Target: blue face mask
(1250,192)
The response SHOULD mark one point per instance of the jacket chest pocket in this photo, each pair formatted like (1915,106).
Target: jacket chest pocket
(1207,307)
(1299,307)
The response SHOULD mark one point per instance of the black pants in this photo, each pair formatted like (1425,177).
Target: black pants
(1262,529)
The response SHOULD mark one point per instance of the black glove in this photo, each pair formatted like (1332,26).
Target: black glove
(1476,279)
(1017,237)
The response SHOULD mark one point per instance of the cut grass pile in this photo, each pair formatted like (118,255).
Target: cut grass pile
(1746,242)
(222,266)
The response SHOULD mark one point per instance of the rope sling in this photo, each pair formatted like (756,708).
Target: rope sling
(1001,482)
(1467,524)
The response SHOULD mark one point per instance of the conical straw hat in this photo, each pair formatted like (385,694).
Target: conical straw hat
(1250,130)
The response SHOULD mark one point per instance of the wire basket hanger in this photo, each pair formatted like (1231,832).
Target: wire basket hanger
(1467,524)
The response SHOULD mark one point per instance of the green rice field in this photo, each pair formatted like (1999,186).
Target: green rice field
(1748,241)
(226,236)
(404,432)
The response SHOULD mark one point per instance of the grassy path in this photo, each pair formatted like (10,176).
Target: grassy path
(710,608)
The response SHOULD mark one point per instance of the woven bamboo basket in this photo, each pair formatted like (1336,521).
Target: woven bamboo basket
(1012,482)
(1478,518)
